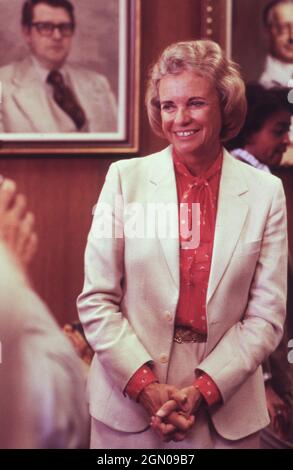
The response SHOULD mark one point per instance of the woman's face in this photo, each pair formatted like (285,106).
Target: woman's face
(191,115)
(270,142)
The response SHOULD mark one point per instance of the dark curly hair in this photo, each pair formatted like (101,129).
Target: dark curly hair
(262,103)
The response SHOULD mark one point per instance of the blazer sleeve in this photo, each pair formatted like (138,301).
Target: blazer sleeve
(105,324)
(249,342)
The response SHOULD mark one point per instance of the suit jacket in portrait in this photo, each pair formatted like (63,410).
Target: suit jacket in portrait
(27,107)
(131,290)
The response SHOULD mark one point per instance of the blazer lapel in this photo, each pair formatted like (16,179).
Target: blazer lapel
(164,193)
(231,215)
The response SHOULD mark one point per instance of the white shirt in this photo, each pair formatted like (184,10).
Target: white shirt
(276,73)
(247,157)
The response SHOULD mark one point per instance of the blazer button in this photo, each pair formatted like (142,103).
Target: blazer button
(163,358)
(168,316)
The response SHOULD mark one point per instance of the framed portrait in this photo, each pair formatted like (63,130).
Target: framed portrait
(94,106)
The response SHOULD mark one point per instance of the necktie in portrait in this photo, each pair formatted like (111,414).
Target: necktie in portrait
(65,98)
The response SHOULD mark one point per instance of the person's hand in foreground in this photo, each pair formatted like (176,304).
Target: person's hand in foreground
(16,223)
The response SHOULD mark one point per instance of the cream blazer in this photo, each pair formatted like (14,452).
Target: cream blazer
(131,289)
(27,106)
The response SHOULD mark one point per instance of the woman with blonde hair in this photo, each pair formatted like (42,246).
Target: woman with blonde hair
(185,272)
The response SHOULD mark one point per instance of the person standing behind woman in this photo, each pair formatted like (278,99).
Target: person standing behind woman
(180,326)
(264,136)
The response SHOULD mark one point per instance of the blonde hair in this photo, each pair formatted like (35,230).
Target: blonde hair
(207,59)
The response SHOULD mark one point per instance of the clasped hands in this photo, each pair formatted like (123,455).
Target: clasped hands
(172,411)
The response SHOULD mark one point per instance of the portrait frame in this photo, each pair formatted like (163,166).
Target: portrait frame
(216,22)
(126,139)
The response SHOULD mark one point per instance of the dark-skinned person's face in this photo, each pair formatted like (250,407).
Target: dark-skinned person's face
(270,143)
(50,47)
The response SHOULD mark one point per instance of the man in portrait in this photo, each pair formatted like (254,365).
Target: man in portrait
(278,23)
(44,92)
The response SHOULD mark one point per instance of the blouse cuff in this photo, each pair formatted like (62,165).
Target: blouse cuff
(208,389)
(140,379)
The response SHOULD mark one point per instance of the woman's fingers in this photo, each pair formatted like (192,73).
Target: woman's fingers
(181,399)
(181,421)
(175,428)
(167,409)
(174,419)
(164,430)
